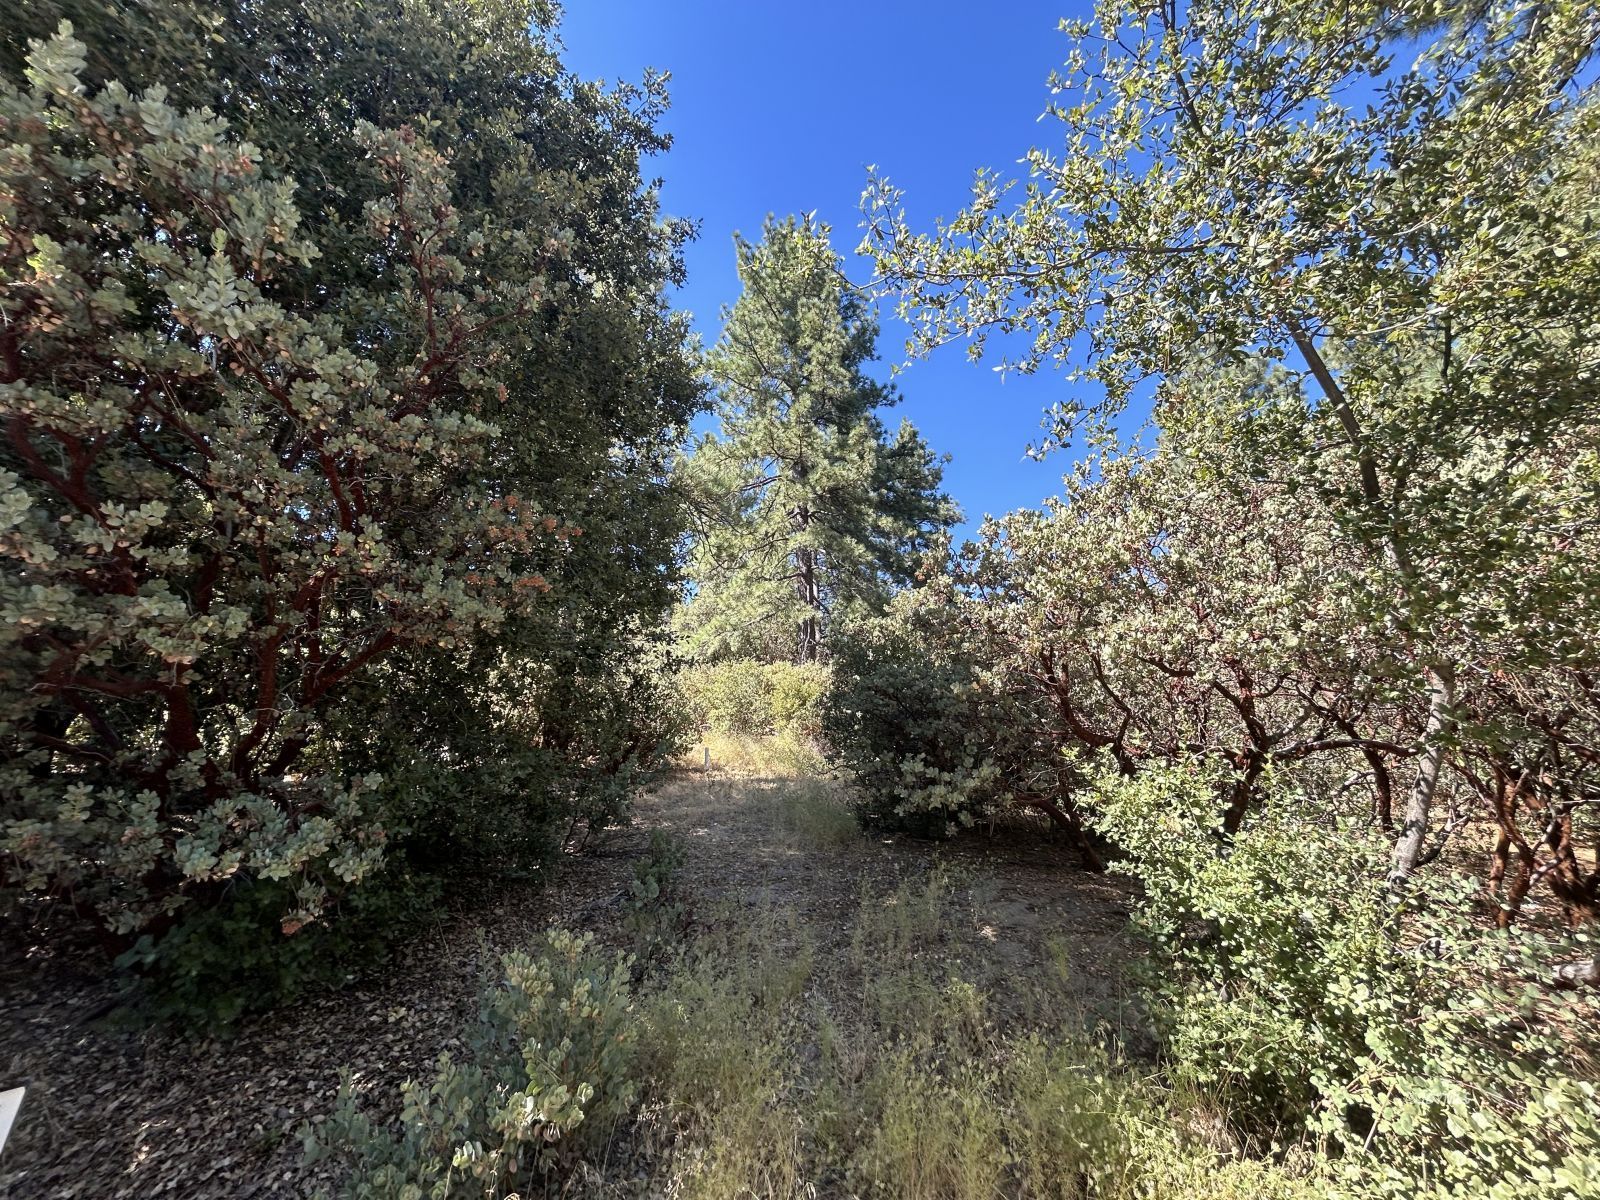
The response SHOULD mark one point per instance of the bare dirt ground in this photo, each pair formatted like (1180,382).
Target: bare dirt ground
(114,1113)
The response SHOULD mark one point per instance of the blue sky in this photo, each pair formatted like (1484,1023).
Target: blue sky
(781,107)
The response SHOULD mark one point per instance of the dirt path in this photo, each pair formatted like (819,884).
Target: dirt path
(113,1114)
(1027,899)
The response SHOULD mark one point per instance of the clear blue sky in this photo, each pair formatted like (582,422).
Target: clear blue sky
(781,107)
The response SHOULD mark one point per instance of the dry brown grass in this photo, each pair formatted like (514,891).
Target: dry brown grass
(755,756)
(867,1058)
(851,1015)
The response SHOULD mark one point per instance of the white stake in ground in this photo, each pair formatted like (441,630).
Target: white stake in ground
(10,1102)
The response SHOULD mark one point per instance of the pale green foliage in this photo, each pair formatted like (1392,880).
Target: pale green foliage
(1425,260)
(926,787)
(1153,611)
(547,1074)
(795,695)
(732,696)
(1217,190)
(1258,934)
(747,696)
(806,506)
(653,909)
(1160,610)
(1151,568)
(1292,987)
(333,490)
(785,755)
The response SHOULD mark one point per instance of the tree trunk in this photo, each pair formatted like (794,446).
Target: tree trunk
(1066,816)
(1383,792)
(1441,698)
(809,649)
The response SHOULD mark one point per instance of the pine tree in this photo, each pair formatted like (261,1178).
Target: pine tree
(807,504)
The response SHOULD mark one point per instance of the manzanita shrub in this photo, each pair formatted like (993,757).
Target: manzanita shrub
(204,477)
(545,1076)
(1375,316)
(307,503)
(903,715)
(1294,989)
(224,961)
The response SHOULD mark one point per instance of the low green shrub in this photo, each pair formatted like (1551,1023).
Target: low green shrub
(901,717)
(1293,987)
(731,696)
(653,908)
(1477,1081)
(545,1078)
(744,696)
(795,692)
(220,964)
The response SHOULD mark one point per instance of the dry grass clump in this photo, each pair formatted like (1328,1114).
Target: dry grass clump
(814,813)
(880,1072)
(719,1058)
(785,755)
(766,1068)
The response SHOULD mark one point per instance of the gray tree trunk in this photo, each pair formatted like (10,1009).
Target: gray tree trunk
(1414,833)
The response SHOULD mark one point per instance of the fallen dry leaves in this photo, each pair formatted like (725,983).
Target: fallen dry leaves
(114,1113)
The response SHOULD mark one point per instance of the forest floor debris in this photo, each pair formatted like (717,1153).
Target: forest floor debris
(113,1112)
